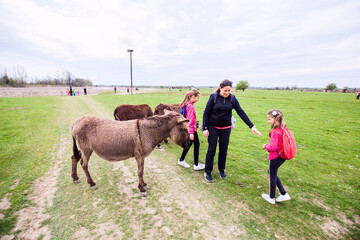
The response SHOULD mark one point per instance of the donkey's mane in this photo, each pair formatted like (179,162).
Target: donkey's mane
(158,121)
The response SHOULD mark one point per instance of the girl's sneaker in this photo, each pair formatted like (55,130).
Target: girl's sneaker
(267,198)
(282,198)
(183,164)
(199,167)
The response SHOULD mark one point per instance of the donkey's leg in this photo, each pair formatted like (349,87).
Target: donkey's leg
(74,162)
(144,183)
(84,163)
(140,165)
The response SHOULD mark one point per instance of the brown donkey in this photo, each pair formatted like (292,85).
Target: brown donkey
(126,112)
(119,140)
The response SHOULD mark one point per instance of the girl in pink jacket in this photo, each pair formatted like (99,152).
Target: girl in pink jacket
(276,120)
(189,100)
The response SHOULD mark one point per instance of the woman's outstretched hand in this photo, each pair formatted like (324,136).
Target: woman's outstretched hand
(254,131)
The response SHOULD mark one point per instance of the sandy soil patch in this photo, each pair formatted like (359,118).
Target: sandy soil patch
(46,91)
(56,91)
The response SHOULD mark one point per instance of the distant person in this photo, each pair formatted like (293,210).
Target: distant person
(127,90)
(115,89)
(217,126)
(71,91)
(68,91)
(188,103)
(78,92)
(276,121)
(357,95)
(85,93)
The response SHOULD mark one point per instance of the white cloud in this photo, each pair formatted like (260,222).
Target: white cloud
(262,40)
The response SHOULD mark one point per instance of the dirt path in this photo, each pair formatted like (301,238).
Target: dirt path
(176,206)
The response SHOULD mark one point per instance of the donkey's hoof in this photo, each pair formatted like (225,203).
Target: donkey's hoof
(76,181)
(94,187)
(143,194)
(146,187)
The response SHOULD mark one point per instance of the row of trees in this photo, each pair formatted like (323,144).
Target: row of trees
(17,77)
(242,85)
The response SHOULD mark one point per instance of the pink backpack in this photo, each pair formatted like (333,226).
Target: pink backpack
(288,150)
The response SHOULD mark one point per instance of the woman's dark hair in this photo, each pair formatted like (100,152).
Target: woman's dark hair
(224,83)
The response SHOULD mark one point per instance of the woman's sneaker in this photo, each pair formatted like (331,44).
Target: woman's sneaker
(222,174)
(208,177)
(267,198)
(282,198)
(183,164)
(198,167)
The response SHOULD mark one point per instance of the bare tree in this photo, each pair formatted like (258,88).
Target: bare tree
(69,77)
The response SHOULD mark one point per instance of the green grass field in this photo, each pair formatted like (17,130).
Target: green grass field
(323,179)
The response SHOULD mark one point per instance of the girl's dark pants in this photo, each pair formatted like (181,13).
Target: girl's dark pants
(224,137)
(196,149)
(274,180)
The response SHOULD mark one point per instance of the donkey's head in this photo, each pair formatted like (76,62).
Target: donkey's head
(160,109)
(179,134)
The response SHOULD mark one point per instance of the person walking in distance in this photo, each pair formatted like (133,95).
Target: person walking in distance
(217,126)
(188,110)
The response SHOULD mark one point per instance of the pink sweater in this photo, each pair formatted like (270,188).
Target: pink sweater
(191,115)
(276,143)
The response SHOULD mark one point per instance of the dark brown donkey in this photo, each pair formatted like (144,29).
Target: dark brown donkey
(159,109)
(126,112)
(120,140)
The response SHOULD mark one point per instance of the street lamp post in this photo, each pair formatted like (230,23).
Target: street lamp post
(130,51)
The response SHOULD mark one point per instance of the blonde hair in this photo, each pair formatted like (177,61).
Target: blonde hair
(187,97)
(224,83)
(279,118)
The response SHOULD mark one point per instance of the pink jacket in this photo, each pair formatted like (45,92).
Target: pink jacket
(275,143)
(191,115)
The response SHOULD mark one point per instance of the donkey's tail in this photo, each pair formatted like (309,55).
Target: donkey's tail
(76,150)
(115,115)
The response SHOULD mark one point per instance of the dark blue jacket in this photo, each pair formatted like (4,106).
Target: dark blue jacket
(219,114)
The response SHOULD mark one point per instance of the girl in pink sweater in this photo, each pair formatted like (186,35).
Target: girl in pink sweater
(189,100)
(276,120)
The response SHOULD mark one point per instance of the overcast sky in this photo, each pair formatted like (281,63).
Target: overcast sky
(305,43)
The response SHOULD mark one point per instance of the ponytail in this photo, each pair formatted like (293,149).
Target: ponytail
(188,96)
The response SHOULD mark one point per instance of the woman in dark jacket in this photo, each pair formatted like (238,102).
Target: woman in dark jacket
(217,125)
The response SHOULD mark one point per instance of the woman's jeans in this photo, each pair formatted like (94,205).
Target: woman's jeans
(224,137)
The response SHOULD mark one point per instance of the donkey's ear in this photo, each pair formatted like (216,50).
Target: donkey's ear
(183,120)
